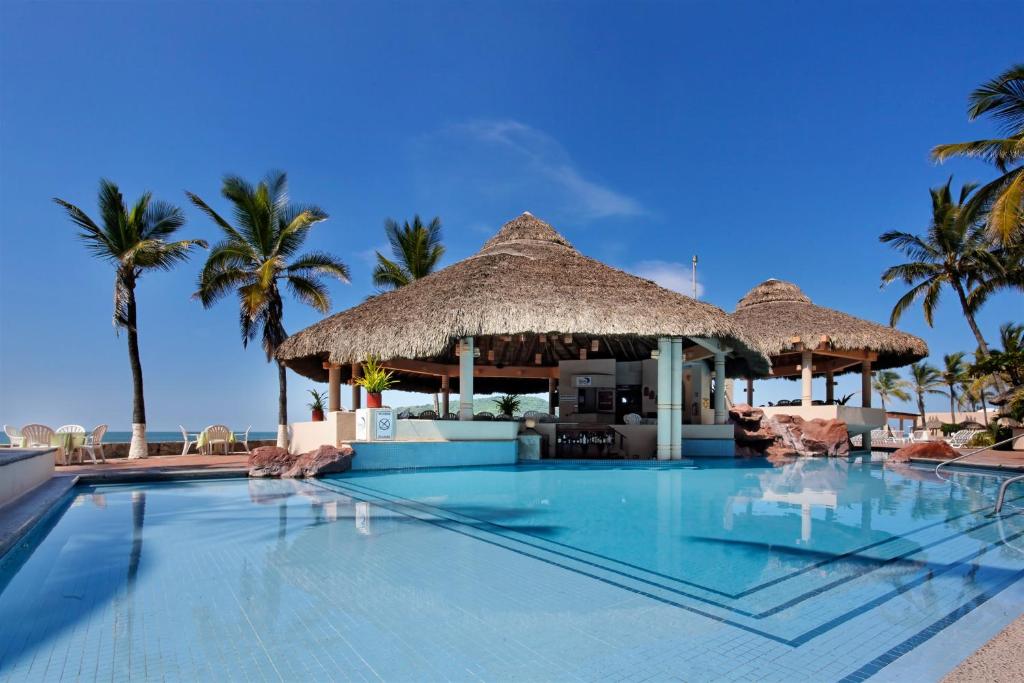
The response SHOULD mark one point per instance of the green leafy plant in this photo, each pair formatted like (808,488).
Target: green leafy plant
(843,400)
(508,404)
(319,397)
(376,379)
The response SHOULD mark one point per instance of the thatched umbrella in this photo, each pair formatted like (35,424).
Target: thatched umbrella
(785,322)
(531,300)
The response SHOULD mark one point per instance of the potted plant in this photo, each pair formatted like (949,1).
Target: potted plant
(508,404)
(317,404)
(375,380)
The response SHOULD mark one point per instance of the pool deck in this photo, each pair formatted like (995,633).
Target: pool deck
(1004,460)
(160,467)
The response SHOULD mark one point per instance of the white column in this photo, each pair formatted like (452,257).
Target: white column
(676,435)
(865,393)
(721,416)
(806,375)
(334,388)
(466,380)
(664,398)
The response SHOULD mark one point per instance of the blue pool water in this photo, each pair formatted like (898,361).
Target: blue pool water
(820,570)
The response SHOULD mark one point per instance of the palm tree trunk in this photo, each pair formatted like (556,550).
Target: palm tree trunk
(920,407)
(952,405)
(958,286)
(282,406)
(138,447)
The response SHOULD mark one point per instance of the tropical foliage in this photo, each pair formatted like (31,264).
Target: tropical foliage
(258,255)
(953,372)
(925,380)
(1002,200)
(134,240)
(319,398)
(416,250)
(953,252)
(375,378)
(888,385)
(508,404)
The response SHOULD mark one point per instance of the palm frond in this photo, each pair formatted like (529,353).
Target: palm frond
(318,263)
(910,244)
(999,152)
(95,239)
(217,280)
(389,275)
(1003,98)
(294,224)
(310,292)
(215,217)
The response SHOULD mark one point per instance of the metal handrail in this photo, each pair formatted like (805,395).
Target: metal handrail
(1002,492)
(974,452)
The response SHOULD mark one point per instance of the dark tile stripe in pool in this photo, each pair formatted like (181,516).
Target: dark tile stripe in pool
(874,565)
(445,523)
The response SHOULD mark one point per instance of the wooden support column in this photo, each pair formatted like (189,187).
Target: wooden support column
(334,388)
(552,395)
(750,391)
(865,391)
(446,395)
(830,387)
(806,375)
(357,395)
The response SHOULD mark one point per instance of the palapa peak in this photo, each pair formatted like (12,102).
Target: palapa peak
(771,291)
(526,228)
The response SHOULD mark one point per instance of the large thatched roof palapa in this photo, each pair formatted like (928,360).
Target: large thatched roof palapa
(781,317)
(526,280)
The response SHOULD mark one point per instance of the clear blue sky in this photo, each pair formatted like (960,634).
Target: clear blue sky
(773,139)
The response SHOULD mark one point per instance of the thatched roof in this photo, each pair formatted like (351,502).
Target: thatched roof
(526,280)
(776,313)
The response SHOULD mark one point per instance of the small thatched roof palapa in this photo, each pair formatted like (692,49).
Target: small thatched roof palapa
(526,280)
(777,313)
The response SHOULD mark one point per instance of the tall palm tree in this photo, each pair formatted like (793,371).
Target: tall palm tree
(888,384)
(925,379)
(134,241)
(952,374)
(416,250)
(1002,200)
(953,252)
(259,253)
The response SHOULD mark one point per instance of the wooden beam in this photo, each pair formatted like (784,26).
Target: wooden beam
(839,353)
(420,367)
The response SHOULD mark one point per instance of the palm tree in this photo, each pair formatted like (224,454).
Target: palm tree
(1002,200)
(416,250)
(953,252)
(259,253)
(925,379)
(975,391)
(888,384)
(952,374)
(134,241)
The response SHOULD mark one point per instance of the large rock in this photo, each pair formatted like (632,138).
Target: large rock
(802,437)
(270,461)
(931,450)
(753,437)
(324,460)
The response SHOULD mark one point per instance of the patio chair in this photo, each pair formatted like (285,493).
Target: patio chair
(484,416)
(957,438)
(502,417)
(189,441)
(93,445)
(217,434)
(14,436)
(428,415)
(451,416)
(36,435)
(920,436)
(632,419)
(244,440)
(403,415)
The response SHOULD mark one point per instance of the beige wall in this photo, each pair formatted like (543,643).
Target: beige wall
(336,428)
(858,420)
(18,478)
(455,430)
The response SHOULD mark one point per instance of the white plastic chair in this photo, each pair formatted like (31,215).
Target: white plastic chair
(217,434)
(187,438)
(632,419)
(14,436)
(244,440)
(93,445)
(37,435)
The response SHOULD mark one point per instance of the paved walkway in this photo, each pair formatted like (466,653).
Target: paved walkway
(161,466)
(1013,460)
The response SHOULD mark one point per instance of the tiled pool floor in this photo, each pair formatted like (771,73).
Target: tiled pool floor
(491,574)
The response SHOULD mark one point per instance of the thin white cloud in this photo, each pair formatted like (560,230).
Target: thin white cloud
(669,274)
(507,161)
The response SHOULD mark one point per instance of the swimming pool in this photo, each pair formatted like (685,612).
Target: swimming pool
(818,570)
